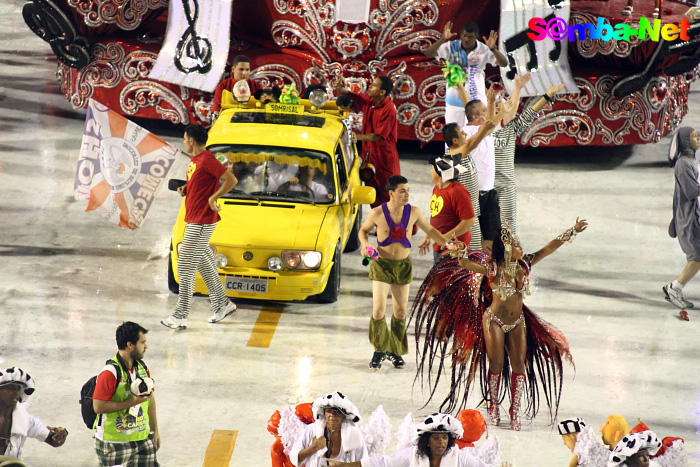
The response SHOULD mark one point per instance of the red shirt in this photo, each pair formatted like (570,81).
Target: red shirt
(228,85)
(203,175)
(448,207)
(380,120)
(107,383)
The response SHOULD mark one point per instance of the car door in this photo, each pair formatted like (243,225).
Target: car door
(343,190)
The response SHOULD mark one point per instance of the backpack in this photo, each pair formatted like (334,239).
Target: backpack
(88,389)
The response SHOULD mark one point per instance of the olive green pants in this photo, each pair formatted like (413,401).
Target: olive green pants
(395,341)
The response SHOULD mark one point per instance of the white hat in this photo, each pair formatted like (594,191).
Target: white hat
(631,444)
(439,423)
(574,425)
(18,376)
(338,401)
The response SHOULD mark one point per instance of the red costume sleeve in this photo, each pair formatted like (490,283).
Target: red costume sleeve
(214,167)
(363,101)
(106,385)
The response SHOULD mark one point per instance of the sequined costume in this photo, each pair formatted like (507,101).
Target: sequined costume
(448,313)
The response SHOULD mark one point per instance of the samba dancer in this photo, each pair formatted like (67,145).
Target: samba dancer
(482,311)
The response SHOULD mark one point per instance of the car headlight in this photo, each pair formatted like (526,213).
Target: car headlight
(301,259)
(221,260)
(213,250)
(274,263)
(311,259)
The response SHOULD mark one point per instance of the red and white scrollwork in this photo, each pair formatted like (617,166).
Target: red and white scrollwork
(395,20)
(126,14)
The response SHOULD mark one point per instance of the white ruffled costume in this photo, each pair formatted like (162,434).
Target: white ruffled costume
(357,441)
(590,451)
(485,455)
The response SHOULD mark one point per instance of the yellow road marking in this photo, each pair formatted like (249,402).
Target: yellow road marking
(220,448)
(265,327)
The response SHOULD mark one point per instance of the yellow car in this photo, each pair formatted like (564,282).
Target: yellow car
(296,206)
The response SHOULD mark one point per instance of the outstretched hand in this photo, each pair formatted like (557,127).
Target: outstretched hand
(339,85)
(490,95)
(492,40)
(555,89)
(447,33)
(580,225)
(521,81)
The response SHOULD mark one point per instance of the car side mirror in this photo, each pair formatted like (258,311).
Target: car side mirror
(363,195)
(174,184)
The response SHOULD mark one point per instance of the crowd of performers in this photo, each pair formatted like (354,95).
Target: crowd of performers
(330,432)
(469,313)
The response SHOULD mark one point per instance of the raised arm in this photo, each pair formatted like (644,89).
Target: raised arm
(537,106)
(462,94)
(519,83)
(484,130)
(490,103)
(447,34)
(492,43)
(567,236)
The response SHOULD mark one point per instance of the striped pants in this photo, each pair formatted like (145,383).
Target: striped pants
(508,200)
(195,256)
(475,232)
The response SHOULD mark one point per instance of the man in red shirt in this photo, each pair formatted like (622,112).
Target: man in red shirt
(240,70)
(451,210)
(126,429)
(201,215)
(380,129)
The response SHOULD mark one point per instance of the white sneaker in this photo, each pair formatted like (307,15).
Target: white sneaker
(676,297)
(174,323)
(223,312)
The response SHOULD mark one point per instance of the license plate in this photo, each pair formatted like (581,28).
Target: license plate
(240,284)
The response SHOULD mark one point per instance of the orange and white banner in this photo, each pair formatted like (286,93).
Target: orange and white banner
(120,166)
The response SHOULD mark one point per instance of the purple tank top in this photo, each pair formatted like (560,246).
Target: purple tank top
(397,233)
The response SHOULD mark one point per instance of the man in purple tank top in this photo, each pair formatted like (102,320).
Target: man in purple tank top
(392,271)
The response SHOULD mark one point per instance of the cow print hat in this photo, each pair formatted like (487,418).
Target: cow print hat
(439,423)
(338,401)
(631,444)
(18,376)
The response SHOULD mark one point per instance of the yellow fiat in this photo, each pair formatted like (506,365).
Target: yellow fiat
(296,206)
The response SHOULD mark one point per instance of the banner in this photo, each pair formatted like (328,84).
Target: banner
(546,60)
(196,44)
(120,166)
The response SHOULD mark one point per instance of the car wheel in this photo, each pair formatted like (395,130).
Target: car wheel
(353,243)
(332,291)
(172,284)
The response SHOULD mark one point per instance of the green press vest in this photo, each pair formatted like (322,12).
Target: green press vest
(123,426)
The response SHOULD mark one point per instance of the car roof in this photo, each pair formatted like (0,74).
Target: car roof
(281,132)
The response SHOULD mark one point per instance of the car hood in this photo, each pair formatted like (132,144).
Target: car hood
(269,225)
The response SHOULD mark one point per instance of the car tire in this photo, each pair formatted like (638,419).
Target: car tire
(332,291)
(172,284)
(353,243)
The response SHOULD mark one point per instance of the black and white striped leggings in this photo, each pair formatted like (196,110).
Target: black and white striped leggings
(508,201)
(195,256)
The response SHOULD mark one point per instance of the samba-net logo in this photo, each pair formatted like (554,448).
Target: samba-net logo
(557,29)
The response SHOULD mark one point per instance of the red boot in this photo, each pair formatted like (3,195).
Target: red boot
(517,387)
(494,382)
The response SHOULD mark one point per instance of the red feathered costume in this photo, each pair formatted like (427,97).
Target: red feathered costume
(448,313)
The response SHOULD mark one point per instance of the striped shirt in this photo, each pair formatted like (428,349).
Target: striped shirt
(470,181)
(504,147)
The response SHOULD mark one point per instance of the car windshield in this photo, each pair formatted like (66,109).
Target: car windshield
(284,174)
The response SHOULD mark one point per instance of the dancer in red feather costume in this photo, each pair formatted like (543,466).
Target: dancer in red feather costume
(471,308)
